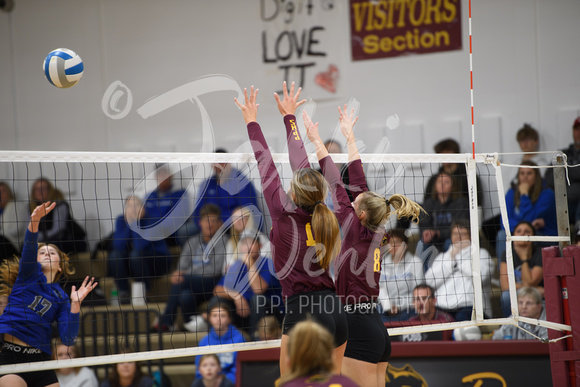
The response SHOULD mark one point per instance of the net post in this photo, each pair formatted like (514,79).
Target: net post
(508,251)
(474,225)
(559,268)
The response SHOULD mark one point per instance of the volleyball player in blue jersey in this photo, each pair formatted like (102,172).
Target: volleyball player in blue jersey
(35,301)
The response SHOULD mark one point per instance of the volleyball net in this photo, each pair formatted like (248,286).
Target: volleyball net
(128,317)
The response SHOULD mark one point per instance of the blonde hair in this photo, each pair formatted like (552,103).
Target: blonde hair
(310,188)
(310,347)
(268,328)
(378,209)
(236,236)
(9,269)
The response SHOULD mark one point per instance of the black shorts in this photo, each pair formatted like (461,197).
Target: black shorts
(368,339)
(15,354)
(323,306)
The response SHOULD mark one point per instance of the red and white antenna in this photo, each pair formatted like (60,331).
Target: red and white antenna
(471,77)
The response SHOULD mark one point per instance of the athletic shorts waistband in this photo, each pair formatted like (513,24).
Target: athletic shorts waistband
(361,307)
(21,349)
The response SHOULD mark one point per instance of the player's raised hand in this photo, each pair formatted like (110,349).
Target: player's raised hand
(78,295)
(311,128)
(347,122)
(290,103)
(39,212)
(250,107)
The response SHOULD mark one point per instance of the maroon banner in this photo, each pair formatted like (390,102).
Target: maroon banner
(388,28)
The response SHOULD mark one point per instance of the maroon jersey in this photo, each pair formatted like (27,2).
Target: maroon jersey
(291,235)
(321,381)
(358,267)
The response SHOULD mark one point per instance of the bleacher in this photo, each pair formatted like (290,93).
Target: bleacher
(111,329)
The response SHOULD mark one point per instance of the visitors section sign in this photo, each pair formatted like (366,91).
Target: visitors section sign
(389,28)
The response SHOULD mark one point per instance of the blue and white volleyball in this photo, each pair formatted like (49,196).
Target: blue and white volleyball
(63,68)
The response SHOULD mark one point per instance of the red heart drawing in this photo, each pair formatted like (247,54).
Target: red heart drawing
(328,79)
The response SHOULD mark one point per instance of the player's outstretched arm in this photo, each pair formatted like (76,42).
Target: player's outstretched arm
(314,136)
(287,107)
(347,122)
(250,107)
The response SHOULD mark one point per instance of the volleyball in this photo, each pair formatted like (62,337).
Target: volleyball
(63,68)
(466,334)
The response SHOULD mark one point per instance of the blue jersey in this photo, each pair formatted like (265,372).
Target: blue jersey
(227,359)
(35,304)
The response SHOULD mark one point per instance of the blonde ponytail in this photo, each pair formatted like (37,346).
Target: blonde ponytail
(309,188)
(326,234)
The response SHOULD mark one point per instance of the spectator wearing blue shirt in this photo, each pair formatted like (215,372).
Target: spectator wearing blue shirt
(251,284)
(531,201)
(165,206)
(221,332)
(133,256)
(228,188)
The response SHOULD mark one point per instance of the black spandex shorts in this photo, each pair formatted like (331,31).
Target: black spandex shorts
(324,307)
(15,354)
(368,339)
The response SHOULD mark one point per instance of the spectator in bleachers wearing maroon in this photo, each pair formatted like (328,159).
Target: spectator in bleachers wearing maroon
(425,304)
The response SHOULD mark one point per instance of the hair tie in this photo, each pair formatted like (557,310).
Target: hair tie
(387,202)
(317,203)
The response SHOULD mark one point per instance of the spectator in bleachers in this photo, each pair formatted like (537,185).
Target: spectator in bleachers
(573,158)
(529,305)
(221,332)
(529,200)
(442,206)
(528,269)
(58,227)
(76,376)
(452,278)
(228,188)
(529,142)
(457,170)
(211,373)
(251,284)
(425,304)
(134,257)
(199,269)
(128,374)
(401,271)
(13,221)
(243,224)
(163,200)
